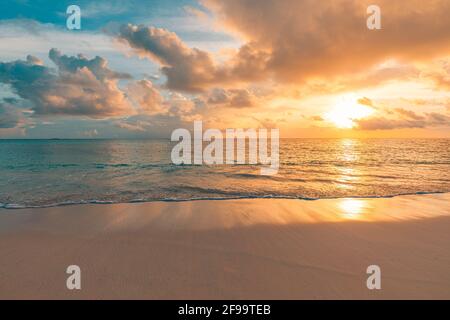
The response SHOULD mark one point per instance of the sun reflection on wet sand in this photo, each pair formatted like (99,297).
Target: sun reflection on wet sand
(353,209)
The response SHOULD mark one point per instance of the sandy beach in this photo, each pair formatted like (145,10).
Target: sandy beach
(231,249)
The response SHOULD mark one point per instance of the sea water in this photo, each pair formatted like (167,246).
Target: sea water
(35,173)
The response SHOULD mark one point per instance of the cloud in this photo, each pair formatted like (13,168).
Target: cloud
(381,123)
(400,118)
(190,69)
(10,117)
(304,40)
(98,65)
(316,118)
(296,41)
(366,102)
(137,126)
(297,49)
(439,119)
(149,101)
(439,74)
(413,121)
(233,98)
(177,105)
(36,38)
(79,86)
(146,97)
(185,68)
(12,120)
(267,123)
(409,114)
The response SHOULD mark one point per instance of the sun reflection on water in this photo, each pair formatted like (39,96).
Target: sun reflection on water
(348,175)
(348,150)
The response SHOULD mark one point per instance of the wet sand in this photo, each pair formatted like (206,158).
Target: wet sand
(230,249)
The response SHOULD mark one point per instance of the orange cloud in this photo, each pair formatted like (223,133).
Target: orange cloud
(146,97)
(409,114)
(191,69)
(234,98)
(322,46)
(412,121)
(303,39)
(185,68)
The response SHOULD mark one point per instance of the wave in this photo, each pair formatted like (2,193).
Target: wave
(12,206)
(87,165)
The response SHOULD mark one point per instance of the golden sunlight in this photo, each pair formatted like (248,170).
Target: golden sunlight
(352,208)
(346,110)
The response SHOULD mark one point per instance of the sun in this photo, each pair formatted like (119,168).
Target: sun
(346,110)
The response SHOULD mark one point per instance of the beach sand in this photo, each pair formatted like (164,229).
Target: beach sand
(230,249)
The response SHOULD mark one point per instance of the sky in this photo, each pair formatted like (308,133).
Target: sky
(140,69)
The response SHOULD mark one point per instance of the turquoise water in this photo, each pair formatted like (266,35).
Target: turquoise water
(56,172)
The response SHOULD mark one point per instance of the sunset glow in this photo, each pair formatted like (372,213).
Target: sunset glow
(219,62)
(343,114)
(207,153)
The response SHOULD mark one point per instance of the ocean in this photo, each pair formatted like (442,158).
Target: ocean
(40,173)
